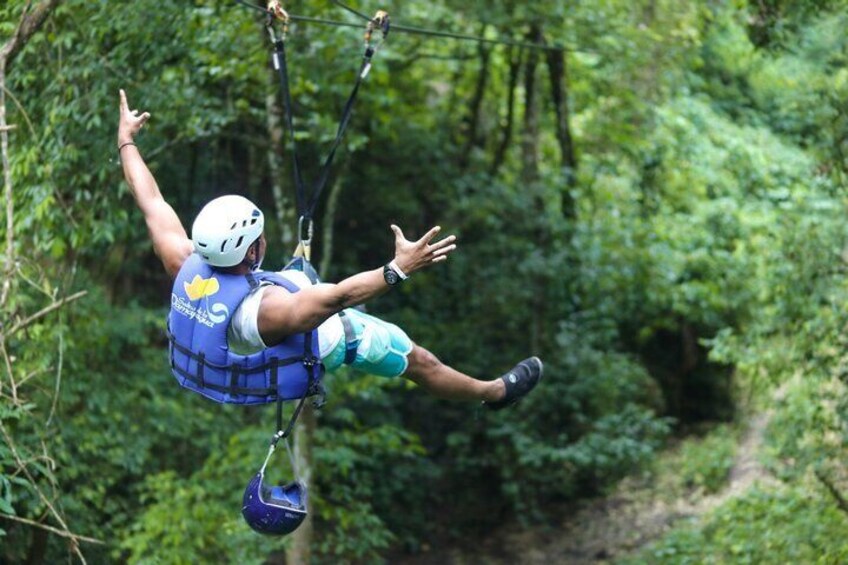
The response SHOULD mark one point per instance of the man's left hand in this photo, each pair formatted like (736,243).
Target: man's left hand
(130,121)
(411,256)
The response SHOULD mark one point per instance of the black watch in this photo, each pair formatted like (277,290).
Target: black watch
(390,275)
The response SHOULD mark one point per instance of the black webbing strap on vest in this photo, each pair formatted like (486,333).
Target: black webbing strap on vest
(234,370)
(306,203)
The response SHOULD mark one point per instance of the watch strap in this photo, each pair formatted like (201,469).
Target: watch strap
(394,266)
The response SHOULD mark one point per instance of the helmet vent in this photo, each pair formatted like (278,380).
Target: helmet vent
(253,221)
(201,244)
(232,227)
(238,243)
(224,243)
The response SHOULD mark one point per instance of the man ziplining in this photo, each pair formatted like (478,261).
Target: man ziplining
(242,335)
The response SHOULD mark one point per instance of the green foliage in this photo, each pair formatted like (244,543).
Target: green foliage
(361,469)
(183,519)
(761,526)
(701,264)
(705,463)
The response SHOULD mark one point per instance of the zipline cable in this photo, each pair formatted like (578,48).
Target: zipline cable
(460,36)
(351,10)
(422,31)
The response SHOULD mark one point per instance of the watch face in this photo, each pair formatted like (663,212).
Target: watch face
(390,276)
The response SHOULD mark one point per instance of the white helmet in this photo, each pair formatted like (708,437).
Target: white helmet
(225,228)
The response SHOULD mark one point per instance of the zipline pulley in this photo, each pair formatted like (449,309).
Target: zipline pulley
(276,12)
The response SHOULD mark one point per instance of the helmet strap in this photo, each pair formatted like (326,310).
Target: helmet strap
(257,260)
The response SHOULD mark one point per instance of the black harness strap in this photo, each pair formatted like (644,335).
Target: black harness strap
(225,389)
(310,362)
(201,364)
(281,67)
(306,203)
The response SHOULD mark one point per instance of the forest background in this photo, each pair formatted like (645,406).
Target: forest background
(657,211)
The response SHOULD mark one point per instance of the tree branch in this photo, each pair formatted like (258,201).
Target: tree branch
(51,529)
(841,503)
(30,23)
(43,312)
(22,466)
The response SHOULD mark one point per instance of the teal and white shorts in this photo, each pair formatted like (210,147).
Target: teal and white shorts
(381,348)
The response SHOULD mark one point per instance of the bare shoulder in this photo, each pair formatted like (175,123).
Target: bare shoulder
(274,296)
(174,253)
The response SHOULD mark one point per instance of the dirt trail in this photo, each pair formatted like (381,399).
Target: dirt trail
(636,514)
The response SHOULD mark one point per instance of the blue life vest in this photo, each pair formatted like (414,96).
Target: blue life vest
(203,301)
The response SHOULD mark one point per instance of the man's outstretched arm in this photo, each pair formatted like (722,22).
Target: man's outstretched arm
(170,241)
(282,314)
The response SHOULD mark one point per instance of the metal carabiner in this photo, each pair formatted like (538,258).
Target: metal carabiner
(307,241)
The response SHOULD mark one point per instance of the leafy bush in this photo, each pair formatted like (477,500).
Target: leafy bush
(762,526)
(705,462)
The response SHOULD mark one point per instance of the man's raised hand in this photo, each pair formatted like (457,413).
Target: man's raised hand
(130,121)
(411,256)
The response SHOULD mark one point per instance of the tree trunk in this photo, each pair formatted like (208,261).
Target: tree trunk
(559,97)
(471,122)
(9,267)
(530,178)
(506,136)
(299,552)
(530,135)
(283,210)
(327,222)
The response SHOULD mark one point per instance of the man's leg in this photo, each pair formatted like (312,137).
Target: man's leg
(384,349)
(442,381)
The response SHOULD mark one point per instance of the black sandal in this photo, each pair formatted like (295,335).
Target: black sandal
(519,381)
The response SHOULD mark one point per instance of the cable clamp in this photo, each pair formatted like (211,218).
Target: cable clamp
(381,21)
(276,12)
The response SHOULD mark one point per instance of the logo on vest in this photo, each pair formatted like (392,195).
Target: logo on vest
(199,288)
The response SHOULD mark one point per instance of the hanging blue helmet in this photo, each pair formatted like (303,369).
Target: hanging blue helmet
(274,510)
